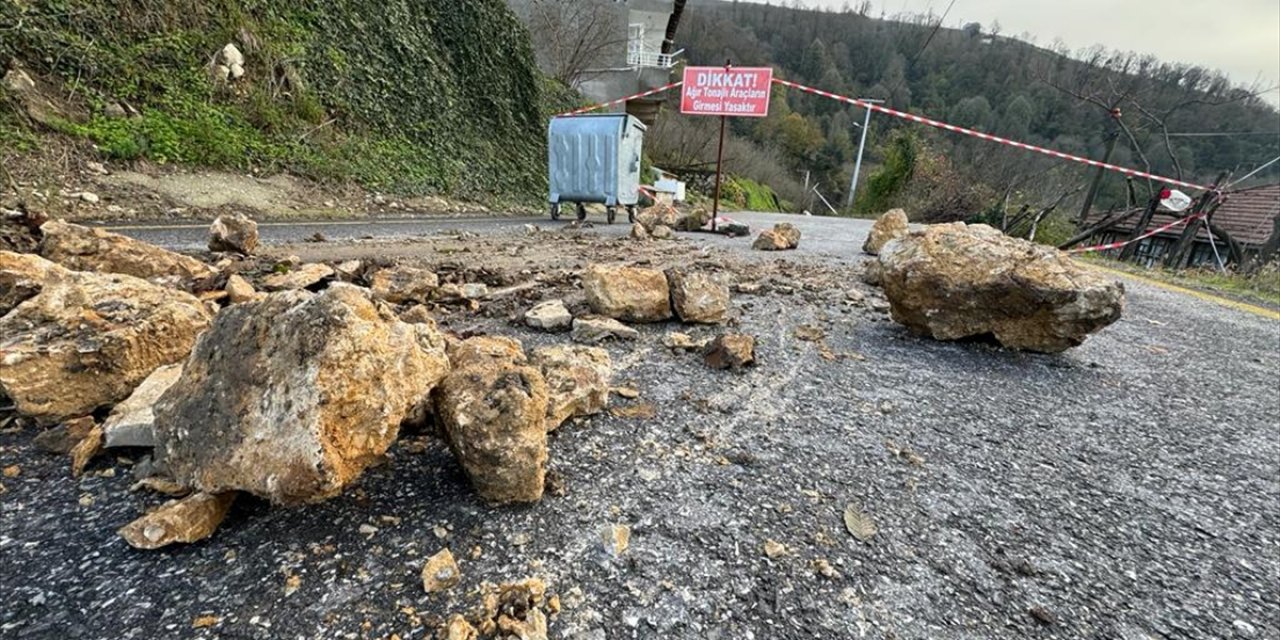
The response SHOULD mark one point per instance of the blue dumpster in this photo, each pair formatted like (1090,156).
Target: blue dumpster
(595,159)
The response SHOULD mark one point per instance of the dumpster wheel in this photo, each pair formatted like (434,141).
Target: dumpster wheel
(611,213)
(555,211)
(631,213)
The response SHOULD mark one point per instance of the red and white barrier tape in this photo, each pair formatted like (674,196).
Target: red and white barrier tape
(578,112)
(986,136)
(1117,245)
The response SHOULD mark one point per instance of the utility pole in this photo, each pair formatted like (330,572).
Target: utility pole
(1112,138)
(857,166)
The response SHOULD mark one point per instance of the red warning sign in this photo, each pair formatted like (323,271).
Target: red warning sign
(720,91)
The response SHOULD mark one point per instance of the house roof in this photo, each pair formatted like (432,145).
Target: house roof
(1247,215)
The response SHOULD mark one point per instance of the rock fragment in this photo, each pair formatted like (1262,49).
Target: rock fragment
(188,520)
(440,572)
(782,237)
(597,329)
(239,290)
(132,423)
(630,294)
(638,232)
(698,297)
(731,351)
(237,234)
(551,315)
(677,341)
(616,538)
(63,438)
(290,398)
(402,285)
(85,451)
(890,226)
(87,340)
(88,249)
(303,277)
(577,381)
(956,281)
(493,411)
(662,232)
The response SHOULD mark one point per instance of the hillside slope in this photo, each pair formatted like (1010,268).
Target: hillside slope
(415,97)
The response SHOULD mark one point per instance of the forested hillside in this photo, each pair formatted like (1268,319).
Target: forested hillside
(409,96)
(971,77)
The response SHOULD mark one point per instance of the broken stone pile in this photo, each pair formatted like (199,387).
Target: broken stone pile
(288,396)
(957,281)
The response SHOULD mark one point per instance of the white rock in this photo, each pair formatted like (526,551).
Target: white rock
(90,197)
(551,315)
(231,55)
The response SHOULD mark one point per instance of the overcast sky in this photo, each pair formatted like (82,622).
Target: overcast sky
(1240,37)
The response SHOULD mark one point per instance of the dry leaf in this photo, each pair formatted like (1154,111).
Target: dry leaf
(628,393)
(859,524)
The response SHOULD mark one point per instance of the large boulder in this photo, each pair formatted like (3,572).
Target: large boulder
(955,281)
(698,297)
(291,397)
(236,234)
(80,341)
(493,411)
(782,237)
(88,249)
(577,380)
(401,285)
(890,226)
(628,293)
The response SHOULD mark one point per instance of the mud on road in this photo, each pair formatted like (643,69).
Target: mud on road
(1126,489)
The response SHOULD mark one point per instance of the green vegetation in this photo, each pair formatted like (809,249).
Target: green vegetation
(407,96)
(747,195)
(974,77)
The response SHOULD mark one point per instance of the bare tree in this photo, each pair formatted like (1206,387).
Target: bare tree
(574,39)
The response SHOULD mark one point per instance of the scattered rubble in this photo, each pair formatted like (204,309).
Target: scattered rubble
(440,572)
(493,411)
(631,294)
(597,329)
(639,232)
(512,611)
(292,397)
(401,285)
(662,232)
(236,234)
(87,249)
(132,422)
(577,380)
(956,281)
(551,315)
(890,226)
(698,297)
(188,520)
(782,237)
(731,351)
(86,340)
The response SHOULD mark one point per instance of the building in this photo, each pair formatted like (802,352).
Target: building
(1248,215)
(636,64)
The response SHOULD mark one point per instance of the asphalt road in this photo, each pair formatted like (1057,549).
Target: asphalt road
(1127,489)
(829,236)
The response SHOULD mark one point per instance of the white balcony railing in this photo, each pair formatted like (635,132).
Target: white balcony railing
(639,56)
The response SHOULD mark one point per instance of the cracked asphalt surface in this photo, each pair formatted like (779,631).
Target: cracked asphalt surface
(1129,488)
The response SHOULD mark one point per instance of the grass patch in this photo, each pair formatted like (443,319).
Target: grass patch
(1262,286)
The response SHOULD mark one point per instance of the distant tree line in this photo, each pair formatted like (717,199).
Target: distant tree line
(1178,120)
